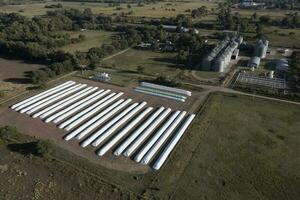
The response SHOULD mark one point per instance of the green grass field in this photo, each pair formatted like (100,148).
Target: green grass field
(92,39)
(154,63)
(247,149)
(162,9)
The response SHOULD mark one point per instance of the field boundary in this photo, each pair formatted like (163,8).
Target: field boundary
(200,111)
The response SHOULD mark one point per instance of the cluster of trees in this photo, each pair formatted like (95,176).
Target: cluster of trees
(282,4)
(199,12)
(190,48)
(33,39)
(234,21)
(291,20)
(83,19)
(294,71)
(59,5)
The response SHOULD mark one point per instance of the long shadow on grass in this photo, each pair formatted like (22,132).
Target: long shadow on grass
(23,148)
(24,80)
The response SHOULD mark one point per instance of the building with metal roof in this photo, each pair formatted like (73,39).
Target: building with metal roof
(254,62)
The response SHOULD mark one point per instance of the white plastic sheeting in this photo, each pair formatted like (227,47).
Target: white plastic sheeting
(136,133)
(106,121)
(59,105)
(124,131)
(139,141)
(97,120)
(40,96)
(78,118)
(162,139)
(76,107)
(159,95)
(90,139)
(52,100)
(30,109)
(155,137)
(168,149)
(119,123)
(170,89)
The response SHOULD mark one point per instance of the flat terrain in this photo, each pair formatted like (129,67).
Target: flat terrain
(237,148)
(92,39)
(13,76)
(14,70)
(247,149)
(154,63)
(162,9)
(49,131)
(25,175)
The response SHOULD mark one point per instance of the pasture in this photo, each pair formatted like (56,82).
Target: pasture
(153,63)
(13,78)
(162,9)
(92,39)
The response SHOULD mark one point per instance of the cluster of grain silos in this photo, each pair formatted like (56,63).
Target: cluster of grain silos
(218,59)
(261,48)
(100,119)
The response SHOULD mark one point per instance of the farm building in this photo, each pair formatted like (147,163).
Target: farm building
(219,58)
(261,48)
(282,65)
(172,28)
(254,62)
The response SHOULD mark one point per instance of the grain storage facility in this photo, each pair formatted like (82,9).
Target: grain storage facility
(100,119)
(219,58)
(254,62)
(261,48)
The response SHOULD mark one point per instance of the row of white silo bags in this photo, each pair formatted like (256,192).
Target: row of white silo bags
(65,102)
(137,132)
(170,89)
(68,111)
(53,98)
(154,149)
(88,112)
(155,137)
(171,145)
(101,118)
(117,125)
(91,138)
(144,135)
(40,96)
(83,109)
(97,120)
(123,132)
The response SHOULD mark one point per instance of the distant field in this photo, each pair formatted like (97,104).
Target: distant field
(274,13)
(163,9)
(283,37)
(154,63)
(93,39)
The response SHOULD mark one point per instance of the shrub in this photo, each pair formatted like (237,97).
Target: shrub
(8,133)
(43,148)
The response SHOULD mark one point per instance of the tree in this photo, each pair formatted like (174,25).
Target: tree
(140,69)
(43,148)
